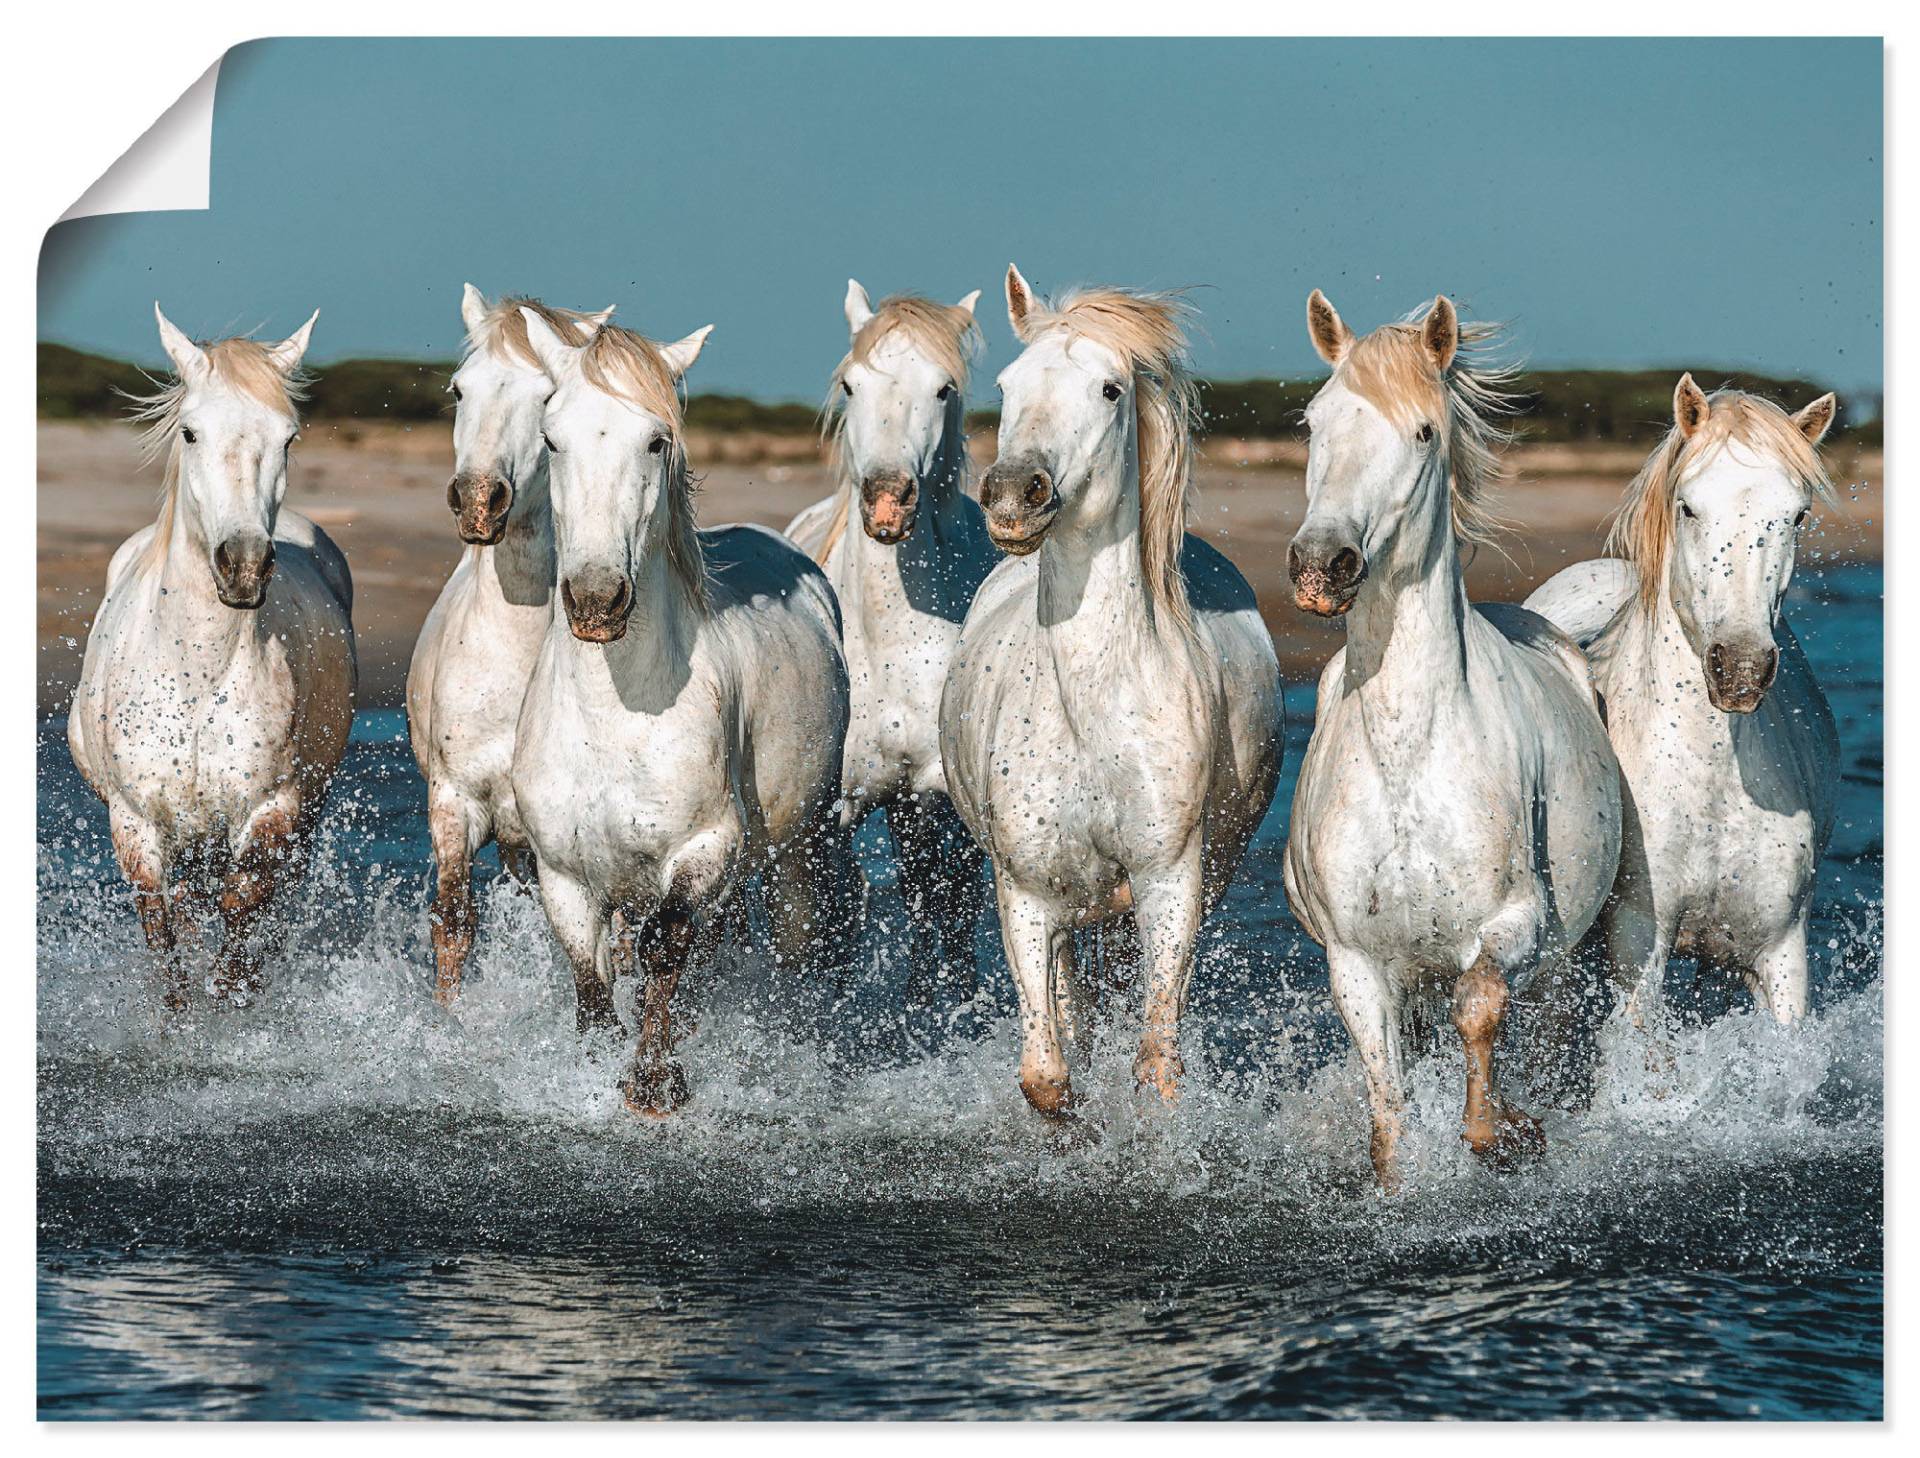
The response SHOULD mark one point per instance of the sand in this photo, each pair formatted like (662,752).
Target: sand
(381,492)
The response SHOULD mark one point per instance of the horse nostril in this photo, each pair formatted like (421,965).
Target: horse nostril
(1344,570)
(566,597)
(453,494)
(497,499)
(223,560)
(1717,661)
(1771,669)
(266,563)
(618,602)
(1039,489)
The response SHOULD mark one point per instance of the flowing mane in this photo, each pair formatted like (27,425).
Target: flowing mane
(631,368)
(244,366)
(1642,529)
(1147,331)
(502,331)
(945,333)
(1391,368)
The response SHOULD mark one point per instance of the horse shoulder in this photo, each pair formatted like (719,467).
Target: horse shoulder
(331,563)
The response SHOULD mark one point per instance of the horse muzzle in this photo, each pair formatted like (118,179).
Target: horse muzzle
(889,504)
(1738,678)
(241,567)
(480,502)
(597,610)
(1326,576)
(1020,502)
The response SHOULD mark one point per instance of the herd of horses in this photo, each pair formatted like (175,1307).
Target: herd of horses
(653,720)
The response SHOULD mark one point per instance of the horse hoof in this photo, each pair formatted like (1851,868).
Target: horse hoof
(655,1092)
(1051,1097)
(1516,1139)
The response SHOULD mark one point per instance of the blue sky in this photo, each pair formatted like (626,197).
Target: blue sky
(1694,203)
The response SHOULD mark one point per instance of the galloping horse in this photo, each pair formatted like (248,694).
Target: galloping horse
(217,689)
(1729,749)
(1111,724)
(905,580)
(1457,819)
(683,725)
(477,646)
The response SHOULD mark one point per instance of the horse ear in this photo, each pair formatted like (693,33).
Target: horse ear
(288,353)
(1328,331)
(681,355)
(969,301)
(1817,418)
(549,348)
(859,308)
(1440,332)
(189,359)
(588,325)
(473,307)
(1690,408)
(1019,300)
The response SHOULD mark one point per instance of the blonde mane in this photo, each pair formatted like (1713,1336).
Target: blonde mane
(1642,529)
(502,330)
(243,365)
(1147,331)
(946,333)
(631,368)
(1391,368)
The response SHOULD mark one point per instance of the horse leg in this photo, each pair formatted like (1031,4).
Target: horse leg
(1166,909)
(1493,1130)
(939,881)
(1031,939)
(270,856)
(1780,974)
(137,849)
(457,827)
(1370,1009)
(580,923)
(656,1085)
(521,865)
(812,915)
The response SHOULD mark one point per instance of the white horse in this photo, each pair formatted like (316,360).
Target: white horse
(1729,749)
(217,689)
(684,722)
(904,582)
(476,649)
(1111,724)
(1457,819)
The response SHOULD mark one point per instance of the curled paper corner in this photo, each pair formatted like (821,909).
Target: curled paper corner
(168,169)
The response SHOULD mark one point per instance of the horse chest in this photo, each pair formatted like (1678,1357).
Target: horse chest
(896,665)
(1410,856)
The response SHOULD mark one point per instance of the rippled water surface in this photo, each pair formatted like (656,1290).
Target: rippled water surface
(345,1203)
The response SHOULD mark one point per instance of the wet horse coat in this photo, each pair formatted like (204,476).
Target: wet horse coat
(217,688)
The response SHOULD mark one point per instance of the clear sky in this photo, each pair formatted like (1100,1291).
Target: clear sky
(1692,203)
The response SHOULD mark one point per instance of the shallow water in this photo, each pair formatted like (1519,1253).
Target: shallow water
(345,1203)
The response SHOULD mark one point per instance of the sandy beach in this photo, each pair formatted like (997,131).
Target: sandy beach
(381,492)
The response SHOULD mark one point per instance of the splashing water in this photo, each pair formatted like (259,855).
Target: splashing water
(344,1201)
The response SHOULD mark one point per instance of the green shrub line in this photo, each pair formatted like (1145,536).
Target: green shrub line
(1627,407)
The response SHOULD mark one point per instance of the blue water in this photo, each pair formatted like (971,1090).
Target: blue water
(346,1203)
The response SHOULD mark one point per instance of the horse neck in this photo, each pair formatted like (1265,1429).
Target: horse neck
(185,581)
(1649,674)
(879,572)
(1097,621)
(644,670)
(522,561)
(1407,629)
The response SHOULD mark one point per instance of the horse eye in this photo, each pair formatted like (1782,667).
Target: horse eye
(454,390)
(1686,511)
(547,441)
(1110,390)
(188,436)
(846,389)
(1425,432)
(943,392)
(656,445)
